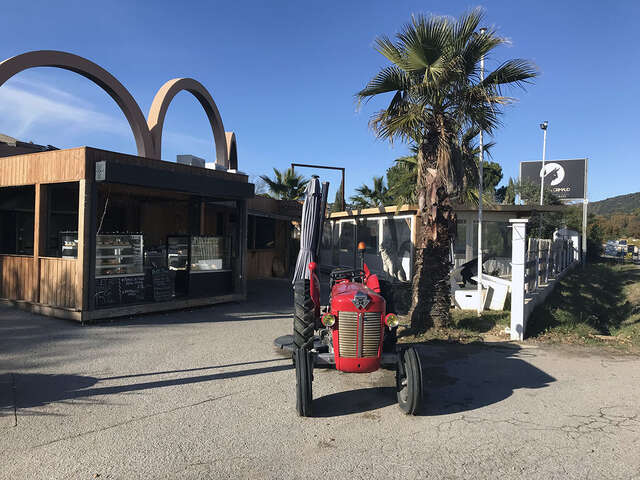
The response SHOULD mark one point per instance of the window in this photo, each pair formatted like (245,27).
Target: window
(395,247)
(62,226)
(16,220)
(460,245)
(347,236)
(368,233)
(261,233)
(397,235)
(326,236)
(335,237)
(496,238)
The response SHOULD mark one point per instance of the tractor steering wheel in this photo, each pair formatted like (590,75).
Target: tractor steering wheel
(347,274)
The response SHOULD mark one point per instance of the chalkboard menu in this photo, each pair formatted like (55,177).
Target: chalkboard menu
(131,289)
(107,291)
(162,285)
(118,290)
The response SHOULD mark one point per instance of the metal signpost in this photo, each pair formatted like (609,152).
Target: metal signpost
(566,179)
(294,165)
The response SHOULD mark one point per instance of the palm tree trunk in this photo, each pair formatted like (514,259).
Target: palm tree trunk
(431,292)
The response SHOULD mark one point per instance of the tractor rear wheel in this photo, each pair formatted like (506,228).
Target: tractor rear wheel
(303,315)
(303,360)
(409,381)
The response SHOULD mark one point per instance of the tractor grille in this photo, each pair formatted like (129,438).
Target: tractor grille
(348,334)
(357,342)
(371,334)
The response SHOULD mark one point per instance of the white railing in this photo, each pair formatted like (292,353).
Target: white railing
(545,260)
(537,263)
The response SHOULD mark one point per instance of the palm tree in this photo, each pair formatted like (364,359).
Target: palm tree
(285,185)
(437,93)
(464,160)
(368,197)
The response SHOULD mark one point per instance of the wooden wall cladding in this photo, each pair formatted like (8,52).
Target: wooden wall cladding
(45,167)
(58,282)
(260,263)
(17,278)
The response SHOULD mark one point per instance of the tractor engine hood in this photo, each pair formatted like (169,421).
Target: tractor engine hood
(359,330)
(355,297)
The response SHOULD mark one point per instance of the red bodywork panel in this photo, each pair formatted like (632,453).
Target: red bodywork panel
(342,295)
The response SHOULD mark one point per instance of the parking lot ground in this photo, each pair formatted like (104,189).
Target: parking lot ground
(204,394)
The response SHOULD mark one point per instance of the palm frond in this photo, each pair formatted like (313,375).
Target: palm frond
(387,48)
(512,72)
(389,79)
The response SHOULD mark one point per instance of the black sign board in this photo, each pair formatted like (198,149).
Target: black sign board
(119,290)
(107,291)
(131,289)
(162,285)
(566,179)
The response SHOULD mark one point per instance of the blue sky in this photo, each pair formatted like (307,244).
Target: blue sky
(283,75)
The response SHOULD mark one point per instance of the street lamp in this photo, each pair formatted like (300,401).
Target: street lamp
(543,126)
(480,193)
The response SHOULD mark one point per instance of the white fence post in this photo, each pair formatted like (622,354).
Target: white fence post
(518,259)
(546,273)
(536,242)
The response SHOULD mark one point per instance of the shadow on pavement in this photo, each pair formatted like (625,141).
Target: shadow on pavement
(354,401)
(459,378)
(22,333)
(35,390)
(456,378)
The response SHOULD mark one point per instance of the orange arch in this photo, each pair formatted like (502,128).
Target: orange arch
(95,73)
(161,103)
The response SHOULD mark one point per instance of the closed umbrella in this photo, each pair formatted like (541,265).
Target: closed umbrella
(311,225)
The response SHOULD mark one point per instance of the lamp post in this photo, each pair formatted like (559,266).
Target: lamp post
(543,126)
(480,193)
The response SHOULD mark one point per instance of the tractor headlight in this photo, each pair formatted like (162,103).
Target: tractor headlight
(391,320)
(328,319)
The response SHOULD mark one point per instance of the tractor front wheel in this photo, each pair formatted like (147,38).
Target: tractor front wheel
(303,315)
(303,360)
(409,381)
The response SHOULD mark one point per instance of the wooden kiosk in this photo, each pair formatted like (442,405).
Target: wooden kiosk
(87,234)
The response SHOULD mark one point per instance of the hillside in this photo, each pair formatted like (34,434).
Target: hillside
(620,204)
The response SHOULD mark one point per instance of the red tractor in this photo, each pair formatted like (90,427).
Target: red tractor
(355,333)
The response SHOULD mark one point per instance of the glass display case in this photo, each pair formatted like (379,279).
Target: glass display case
(155,257)
(178,252)
(68,244)
(210,254)
(119,255)
(199,265)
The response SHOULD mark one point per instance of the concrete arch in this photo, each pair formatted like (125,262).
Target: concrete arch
(232,150)
(95,73)
(161,103)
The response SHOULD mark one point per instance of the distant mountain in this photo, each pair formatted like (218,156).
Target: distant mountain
(620,204)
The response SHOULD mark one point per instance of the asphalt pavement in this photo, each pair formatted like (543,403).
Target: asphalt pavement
(204,394)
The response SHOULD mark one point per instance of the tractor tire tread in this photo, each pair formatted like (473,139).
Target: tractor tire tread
(304,315)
